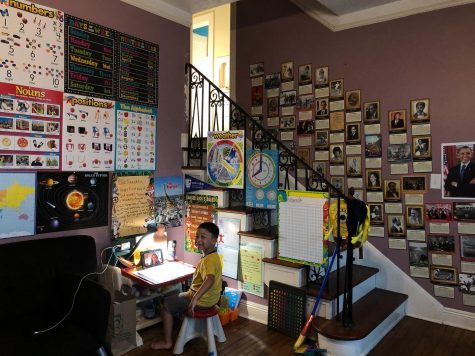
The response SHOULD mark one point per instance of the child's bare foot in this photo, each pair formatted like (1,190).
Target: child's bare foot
(161,345)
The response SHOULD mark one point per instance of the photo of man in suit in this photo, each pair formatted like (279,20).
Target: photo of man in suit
(397,122)
(460,180)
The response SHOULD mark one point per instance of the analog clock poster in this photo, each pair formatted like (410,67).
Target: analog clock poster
(261,179)
(226,158)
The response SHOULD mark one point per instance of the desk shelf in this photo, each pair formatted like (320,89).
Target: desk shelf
(148,297)
(143,323)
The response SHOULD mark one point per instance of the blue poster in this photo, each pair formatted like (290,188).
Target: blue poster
(169,204)
(262,179)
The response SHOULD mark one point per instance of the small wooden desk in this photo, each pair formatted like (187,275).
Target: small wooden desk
(168,279)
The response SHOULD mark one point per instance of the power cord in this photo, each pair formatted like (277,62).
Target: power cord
(113,248)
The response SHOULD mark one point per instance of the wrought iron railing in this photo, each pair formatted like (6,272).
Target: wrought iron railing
(210,109)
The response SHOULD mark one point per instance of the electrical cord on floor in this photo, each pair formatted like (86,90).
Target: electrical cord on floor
(113,248)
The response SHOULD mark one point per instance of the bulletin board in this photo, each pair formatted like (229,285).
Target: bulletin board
(302,225)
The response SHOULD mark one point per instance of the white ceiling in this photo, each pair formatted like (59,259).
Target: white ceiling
(335,14)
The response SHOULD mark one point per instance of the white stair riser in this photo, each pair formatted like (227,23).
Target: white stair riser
(327,308)
(363,346)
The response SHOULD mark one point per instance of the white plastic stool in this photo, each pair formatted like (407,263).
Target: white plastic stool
(205,324)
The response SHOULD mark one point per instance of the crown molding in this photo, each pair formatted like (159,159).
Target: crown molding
(163,9)
(377,14)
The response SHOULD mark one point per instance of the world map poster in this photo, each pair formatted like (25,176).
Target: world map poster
(17,204)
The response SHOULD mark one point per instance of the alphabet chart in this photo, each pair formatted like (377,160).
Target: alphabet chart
(301,221)
(31,45)
(88,134)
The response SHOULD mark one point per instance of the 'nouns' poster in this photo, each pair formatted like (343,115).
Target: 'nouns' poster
(31,45)
(226,158)
(71,200)
(88,134)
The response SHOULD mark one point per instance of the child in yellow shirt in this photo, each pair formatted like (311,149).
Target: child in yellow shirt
(205,287)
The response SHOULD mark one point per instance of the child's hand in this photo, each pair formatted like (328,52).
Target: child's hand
(191,307)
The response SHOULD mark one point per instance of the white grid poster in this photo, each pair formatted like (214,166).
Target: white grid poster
(301,228)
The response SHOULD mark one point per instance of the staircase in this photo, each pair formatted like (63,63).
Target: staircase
(350,323)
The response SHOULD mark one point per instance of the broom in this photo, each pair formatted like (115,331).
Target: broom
(312,315)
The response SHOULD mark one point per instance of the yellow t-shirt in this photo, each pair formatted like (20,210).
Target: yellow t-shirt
(209,264)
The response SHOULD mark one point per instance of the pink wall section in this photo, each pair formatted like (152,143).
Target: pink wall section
(174,43)
(422,56)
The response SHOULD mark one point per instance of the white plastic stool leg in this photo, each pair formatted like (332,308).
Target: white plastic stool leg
(218,328)
(210,338)
(190,329)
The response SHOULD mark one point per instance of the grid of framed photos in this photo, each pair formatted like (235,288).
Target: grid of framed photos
(347,139)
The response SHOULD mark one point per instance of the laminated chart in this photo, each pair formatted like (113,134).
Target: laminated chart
(88,134)
(90,51)
(30,127)
(31,45)
(301,221)
(136,137)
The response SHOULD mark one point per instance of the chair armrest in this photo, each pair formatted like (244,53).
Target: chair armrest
(91,307)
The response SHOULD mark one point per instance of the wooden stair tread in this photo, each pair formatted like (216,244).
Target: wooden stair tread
(276,261)
(368,313)
(360,274)
(262,234)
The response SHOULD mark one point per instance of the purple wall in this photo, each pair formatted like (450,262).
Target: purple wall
(174,43)
(422,56)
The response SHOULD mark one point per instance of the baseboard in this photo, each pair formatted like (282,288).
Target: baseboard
(253,311)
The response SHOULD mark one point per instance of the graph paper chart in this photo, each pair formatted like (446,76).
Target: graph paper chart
(301,228)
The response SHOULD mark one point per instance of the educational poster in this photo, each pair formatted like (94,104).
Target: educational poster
(226,158)
(199,209)
(303,227)
(132,204)
(30,120)
(88,134)
(32,45)
(90,51)
(250,271)
(137,70)
(169,203)
(262,179)
(136,137)
(71,200)
(17,204)
(228,245)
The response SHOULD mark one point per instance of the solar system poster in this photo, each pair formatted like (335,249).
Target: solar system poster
(32,45)
(71,200)
(30,127)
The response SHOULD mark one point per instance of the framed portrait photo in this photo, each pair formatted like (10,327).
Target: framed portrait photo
(420,110)
(305,127)
(353,100)
(421,147)
(438,212)
(415,216)
(464,211)
(336,89)
(353,166)
(320,167)
(467,248)
(399,152)
(372,112)
(376,213)
(288,98)
(257,95)
(272,81)
(273,106)
(395,225)
(459,168)
(321,76)
(321,139)
(256,69)
(287,71)
(304,155)
(321,107)
(287,122)
(352,132)
(305,74)
(373,146)
(397,120)
(414,184)
(338,183)
(441,243)
(392,190)
(337,153)
(373,179)
(443,275)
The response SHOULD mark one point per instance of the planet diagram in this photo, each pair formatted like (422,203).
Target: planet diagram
(49,182)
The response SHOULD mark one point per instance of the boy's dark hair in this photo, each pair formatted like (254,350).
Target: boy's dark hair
(211,228)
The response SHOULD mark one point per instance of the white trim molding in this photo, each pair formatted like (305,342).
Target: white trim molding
(253,311)
(163,9)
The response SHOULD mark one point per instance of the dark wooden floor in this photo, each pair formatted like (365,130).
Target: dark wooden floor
(248,338)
